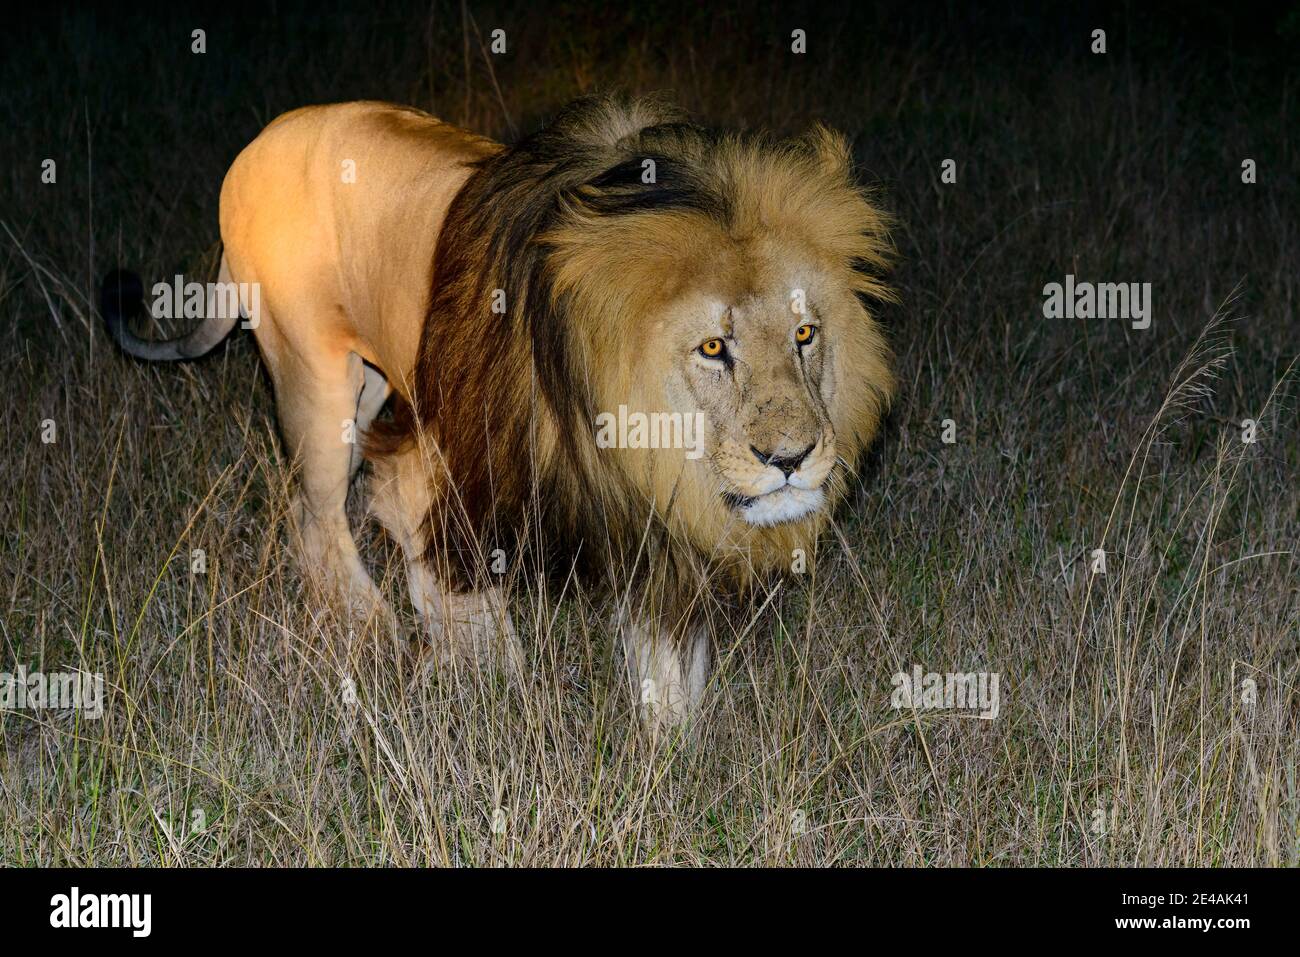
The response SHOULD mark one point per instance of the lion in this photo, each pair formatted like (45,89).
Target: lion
(621,261)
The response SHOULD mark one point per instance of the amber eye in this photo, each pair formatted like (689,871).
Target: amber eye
(805,334)
(712,348)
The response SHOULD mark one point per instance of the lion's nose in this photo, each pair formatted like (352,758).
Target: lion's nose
(786,463)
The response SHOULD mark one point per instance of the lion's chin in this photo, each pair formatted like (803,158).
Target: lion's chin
(786,504)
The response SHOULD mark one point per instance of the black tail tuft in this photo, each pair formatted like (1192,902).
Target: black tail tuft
(121,295)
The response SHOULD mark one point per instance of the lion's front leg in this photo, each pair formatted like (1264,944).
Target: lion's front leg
(668,672)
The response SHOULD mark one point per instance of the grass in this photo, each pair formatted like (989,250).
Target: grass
(1125,735)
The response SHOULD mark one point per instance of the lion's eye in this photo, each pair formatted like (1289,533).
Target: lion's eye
(713,348)
(805,334)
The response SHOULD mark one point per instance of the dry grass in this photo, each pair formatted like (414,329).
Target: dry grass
(1121,693)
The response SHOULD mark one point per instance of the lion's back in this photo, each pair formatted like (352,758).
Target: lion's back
(342,205)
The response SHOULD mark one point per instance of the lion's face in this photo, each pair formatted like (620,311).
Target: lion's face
(759,365)
(762,343)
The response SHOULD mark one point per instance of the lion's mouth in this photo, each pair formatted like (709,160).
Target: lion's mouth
(785,504)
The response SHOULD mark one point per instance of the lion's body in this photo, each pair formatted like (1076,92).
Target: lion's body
(335,212)
(511,296)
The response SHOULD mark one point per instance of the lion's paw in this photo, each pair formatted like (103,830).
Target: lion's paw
(474,631)
(668,677)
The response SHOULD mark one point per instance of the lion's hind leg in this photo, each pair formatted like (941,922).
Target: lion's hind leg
(317,399)
(467,629)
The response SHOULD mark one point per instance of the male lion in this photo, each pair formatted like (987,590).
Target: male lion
(618,261)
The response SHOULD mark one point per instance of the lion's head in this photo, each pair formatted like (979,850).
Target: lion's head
(679,336)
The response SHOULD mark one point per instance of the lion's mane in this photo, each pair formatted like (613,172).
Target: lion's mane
(564,231)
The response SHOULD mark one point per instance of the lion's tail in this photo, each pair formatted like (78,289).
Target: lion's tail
(121,295)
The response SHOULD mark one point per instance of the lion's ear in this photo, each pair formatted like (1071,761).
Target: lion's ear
(829,148)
